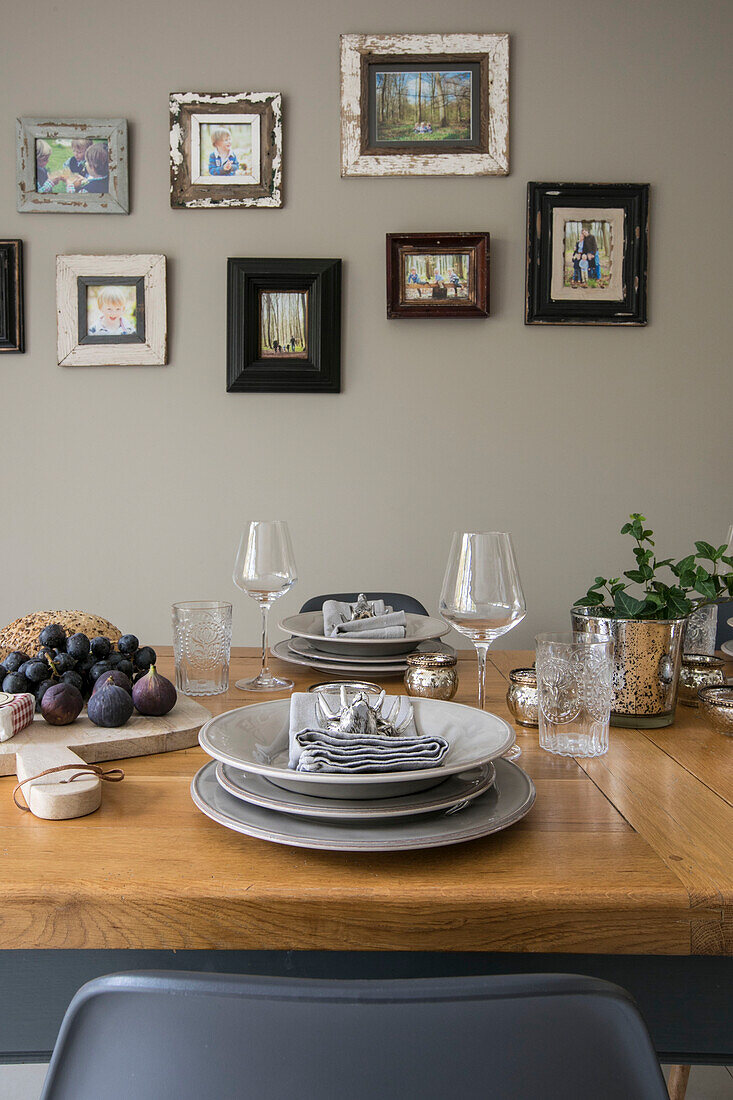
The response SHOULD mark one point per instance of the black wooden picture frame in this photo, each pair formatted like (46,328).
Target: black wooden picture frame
(12,326)
(630,204)
(319,368)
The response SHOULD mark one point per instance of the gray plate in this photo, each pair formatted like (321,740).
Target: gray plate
(419,628)
(448,794)
(388,668)
(509,799)
(244,738)
(303,648)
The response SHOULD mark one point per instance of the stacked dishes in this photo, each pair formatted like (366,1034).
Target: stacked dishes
(355,655)
(249,788)
(727,647)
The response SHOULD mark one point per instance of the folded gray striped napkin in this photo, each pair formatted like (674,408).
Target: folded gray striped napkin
(384,622)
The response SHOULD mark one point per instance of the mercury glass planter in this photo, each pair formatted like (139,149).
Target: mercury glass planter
(698,670)
(431,675)
(647,656)
(521,697)
(717,705)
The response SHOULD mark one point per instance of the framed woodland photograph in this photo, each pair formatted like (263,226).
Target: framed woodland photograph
(72,166)
(587,253)
(424,104)
(12,334)
(226,150)
(284,326)
(437,275)
(111,310)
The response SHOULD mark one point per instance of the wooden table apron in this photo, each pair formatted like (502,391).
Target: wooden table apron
(623,869)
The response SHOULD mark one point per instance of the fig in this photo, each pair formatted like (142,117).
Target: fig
(111,705)
(61,704)
(113,677)
(153,694)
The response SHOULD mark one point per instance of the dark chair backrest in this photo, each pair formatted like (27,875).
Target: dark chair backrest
(398,600)
(725,630)
(150,1036)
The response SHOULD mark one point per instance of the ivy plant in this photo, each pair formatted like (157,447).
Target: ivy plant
(690,583)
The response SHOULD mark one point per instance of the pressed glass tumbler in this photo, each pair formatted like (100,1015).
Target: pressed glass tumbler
(202,641)
(574,692)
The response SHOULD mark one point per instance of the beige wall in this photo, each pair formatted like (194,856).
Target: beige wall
(125,489)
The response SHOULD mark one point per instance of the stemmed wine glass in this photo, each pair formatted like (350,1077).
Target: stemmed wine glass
(482,594)
(265,569)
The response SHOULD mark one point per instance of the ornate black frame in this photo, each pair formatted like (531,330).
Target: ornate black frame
(542,198)
(247,371)
(12,327)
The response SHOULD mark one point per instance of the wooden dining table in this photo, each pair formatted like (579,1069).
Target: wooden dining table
(623,869)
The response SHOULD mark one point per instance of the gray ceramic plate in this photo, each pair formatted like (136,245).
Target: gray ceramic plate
(446,795)
(507,801)
(419,628)
(386,667)
(245,738)
(303,648)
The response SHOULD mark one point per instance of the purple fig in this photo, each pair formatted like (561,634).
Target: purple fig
(113,677)
(61,704)
(153,694)
(110,706)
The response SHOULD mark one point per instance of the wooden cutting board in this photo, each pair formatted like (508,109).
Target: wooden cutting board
(40,746)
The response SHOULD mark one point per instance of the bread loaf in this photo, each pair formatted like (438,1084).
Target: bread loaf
(23,633)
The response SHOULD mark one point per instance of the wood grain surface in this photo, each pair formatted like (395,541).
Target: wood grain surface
(629,853)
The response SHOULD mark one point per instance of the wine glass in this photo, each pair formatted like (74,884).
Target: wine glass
(482,594)
(265,569)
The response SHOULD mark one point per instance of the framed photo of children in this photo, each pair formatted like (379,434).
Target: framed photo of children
(111,310)
(226,150)
(12,337)
(284,326)
(72,166)
(437,274)
(424,104)
(587,253)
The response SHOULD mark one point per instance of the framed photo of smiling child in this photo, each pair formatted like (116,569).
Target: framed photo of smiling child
(226,149)
(111,310)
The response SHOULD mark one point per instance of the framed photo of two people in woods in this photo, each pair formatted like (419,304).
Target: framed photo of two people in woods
(587,253)
(284,326)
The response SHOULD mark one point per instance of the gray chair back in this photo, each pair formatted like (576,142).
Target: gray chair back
(150,1036)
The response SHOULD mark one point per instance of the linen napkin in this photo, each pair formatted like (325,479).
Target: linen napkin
(315,748)
(384,623)
(16,712)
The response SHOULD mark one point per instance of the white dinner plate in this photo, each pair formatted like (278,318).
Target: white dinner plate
(506,802)
(393,668)
(418,628)
(254,738)
(446,795)
(727,647)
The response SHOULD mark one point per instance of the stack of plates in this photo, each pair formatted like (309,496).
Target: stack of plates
(727,647)
(471,794)
(348,653)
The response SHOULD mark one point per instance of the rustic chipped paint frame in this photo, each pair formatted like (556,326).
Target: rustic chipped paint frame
(186,112)
(12,327)
(488,156)
(149,351)
(111,130)
(628,205)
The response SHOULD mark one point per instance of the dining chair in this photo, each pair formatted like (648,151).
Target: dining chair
(147,1035)
(725,630)
(397,600)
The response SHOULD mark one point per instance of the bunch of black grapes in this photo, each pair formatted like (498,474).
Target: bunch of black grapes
(76,660)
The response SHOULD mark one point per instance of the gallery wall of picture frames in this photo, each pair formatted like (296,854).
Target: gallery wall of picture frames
(411,105)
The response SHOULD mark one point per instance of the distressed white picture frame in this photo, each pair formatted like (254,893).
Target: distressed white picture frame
(111,130)
(494,162)
(151,352)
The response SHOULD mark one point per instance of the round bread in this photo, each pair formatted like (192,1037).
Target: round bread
(23,633)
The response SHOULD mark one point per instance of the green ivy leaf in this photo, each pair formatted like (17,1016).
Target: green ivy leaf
(705,551)
(635,575)
(627,606)
(625,529)
(678,606)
